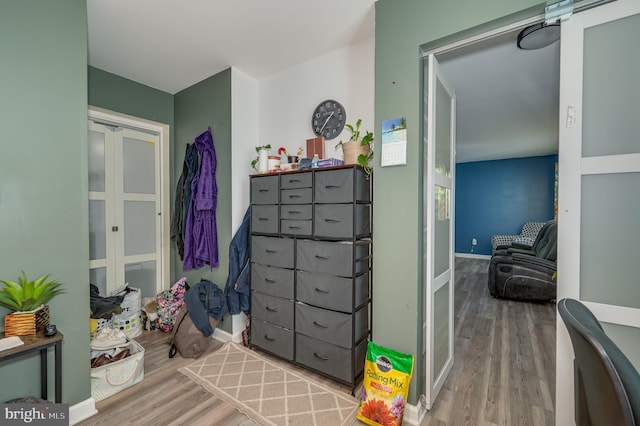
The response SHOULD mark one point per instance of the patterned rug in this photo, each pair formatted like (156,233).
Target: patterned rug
(267,392)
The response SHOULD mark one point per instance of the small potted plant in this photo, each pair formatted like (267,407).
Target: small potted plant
(27,300)
(358,149)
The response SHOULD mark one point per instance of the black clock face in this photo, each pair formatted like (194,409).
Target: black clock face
(328,119)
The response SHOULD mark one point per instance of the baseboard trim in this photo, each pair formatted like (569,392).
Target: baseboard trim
(82,411)
(413,414)
(224,336)
(474,256)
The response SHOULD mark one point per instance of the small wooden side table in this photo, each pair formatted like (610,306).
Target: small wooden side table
(38,342)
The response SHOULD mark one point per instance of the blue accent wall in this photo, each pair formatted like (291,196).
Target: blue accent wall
(498,197)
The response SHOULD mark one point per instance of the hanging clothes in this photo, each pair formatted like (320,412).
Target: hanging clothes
(237,288)
(183,197)
(201,235)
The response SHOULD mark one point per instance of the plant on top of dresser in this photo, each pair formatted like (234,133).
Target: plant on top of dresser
(27,295)
(258,149)
(358,149)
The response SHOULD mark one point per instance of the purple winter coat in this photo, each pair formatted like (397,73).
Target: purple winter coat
(201,235)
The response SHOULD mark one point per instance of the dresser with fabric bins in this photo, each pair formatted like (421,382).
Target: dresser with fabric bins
(311,278)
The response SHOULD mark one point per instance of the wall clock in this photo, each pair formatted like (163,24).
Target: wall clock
(328,119)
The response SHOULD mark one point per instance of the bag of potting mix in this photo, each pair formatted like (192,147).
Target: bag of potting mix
(387,375)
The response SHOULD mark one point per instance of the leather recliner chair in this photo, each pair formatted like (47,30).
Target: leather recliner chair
(516,273)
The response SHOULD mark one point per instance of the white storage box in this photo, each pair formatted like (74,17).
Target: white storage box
(119,375)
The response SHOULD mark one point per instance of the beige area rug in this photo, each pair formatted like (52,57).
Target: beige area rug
(267,392)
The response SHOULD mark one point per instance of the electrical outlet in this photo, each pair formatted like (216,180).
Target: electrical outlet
(474,242)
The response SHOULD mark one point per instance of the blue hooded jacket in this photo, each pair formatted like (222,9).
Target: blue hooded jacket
(237,289)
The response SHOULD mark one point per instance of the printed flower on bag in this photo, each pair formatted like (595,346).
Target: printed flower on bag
(377,410)
(397,406)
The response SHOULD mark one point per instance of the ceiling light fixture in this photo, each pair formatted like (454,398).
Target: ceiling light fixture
(538,36)
(545,33)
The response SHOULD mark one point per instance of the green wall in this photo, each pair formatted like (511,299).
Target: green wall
(402,27)
(208,104)
(43,177)
(119,94)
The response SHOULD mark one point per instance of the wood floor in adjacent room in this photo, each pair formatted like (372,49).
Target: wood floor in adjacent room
(504,370)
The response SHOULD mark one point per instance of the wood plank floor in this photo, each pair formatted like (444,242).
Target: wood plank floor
(504,370)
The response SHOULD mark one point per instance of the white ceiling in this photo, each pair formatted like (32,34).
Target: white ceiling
(172,44)
(507,98)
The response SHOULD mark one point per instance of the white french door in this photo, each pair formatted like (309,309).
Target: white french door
(439,171)
(125,221)
(599,181)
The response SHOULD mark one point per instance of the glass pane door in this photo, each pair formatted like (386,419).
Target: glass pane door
(438,235)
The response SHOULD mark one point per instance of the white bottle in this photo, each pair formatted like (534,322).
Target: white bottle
(314,161)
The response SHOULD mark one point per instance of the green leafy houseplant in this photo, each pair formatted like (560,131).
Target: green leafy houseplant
(258,148)
(363,139)
(27,295)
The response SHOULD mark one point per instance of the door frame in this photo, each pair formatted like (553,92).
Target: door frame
(113,118)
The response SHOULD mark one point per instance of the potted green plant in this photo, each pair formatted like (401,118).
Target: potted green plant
(27,300)
(358,149)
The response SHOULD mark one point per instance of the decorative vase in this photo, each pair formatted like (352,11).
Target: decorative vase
(26,323)
(263,160)
(352,150)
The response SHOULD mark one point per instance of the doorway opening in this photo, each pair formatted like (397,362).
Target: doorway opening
(507,103)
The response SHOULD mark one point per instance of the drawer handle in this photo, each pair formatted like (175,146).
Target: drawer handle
(321,291)
(270,281)
(294,212)
(295,180)
(270,251)
(263,219)
(317,324)
(331,220)
(322,257)
(322,357)
(294,227)
(263,190)
(332,186)
(271,339)
(270,309)
(294,196)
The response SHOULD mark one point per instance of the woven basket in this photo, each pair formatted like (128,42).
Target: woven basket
(26,323)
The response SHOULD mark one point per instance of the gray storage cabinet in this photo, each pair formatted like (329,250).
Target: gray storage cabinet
(311,268)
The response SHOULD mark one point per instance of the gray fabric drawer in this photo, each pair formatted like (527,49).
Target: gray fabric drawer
(275,310)
(331,292)
(273,281)
(337,220)
(276,340)
(296,180)
(331,257)
(296,211)
(296,196)
(296,227)
(264,190)
(264,219)
(329,359)
(330,326)
(337,186)
(272,251)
